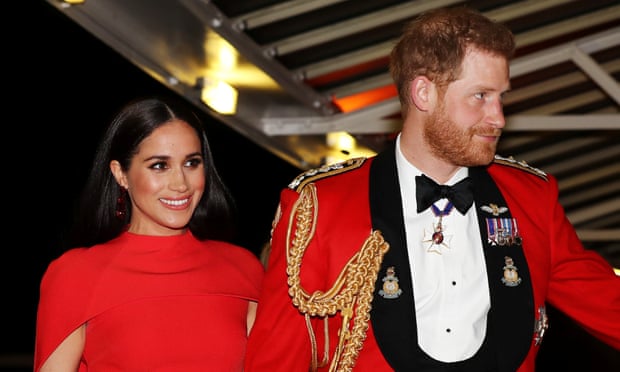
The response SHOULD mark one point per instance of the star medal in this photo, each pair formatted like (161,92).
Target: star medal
(437,238)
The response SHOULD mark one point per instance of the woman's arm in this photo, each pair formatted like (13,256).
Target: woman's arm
(251,315)
(67,355)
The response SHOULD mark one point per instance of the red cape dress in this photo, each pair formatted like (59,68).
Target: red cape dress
(150,303)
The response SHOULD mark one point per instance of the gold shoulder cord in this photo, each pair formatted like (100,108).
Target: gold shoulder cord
(352,290)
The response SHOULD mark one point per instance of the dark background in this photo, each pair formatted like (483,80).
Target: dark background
(62,86)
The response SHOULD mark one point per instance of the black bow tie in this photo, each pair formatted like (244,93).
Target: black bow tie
(428,192)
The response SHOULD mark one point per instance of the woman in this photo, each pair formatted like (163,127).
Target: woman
(152,284)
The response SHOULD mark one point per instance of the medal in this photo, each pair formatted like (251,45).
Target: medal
(437,238)
(511,276)
(503,231)
(390,289)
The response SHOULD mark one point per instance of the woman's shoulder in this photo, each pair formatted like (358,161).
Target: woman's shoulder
(239,268)
(72,259)
(233,251)
(72,271)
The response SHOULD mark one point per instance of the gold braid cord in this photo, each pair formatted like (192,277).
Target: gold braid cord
(352,289)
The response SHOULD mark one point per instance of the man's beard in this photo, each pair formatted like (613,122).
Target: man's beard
(453,145)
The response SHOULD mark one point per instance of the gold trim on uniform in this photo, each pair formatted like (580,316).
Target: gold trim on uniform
(325,171)
(350,295)
(510,161)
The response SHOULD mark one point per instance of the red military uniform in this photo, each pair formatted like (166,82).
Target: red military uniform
(338,237)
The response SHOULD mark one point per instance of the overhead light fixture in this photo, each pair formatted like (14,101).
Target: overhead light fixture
(219,96)
(342,141)
(74,2)
(344,146)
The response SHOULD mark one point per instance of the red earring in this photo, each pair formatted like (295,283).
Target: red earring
(121,204)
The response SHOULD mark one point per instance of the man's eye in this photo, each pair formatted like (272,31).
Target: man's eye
(479,95)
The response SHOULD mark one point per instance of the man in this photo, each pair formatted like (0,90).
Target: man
(375,267)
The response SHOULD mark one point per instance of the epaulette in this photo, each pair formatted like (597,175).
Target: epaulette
(325,171)
(510,161)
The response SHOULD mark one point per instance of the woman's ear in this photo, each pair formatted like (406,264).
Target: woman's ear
(119,175)
(422,92)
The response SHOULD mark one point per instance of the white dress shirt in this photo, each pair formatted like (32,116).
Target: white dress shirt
(450,284)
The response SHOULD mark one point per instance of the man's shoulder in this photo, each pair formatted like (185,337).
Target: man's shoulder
(326,171)
(520,165)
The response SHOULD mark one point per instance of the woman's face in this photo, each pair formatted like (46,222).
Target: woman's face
(165,180)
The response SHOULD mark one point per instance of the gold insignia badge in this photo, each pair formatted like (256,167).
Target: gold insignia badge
(390,287)
(511,277)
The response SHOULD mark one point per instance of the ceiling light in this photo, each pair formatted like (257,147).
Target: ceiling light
(219,96)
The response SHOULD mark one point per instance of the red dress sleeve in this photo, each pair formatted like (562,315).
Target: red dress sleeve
(64,293)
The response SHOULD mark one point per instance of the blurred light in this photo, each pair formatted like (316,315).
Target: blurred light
(358,101)
(344,146)
(74,2)
(219,96)
(341,141)
(223,62)
(221,55)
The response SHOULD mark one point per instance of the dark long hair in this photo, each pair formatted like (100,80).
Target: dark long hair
(95,218)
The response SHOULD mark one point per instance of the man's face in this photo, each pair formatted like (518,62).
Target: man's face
(466,124)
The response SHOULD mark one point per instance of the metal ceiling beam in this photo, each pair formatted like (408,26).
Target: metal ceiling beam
(588,235)
(367,120)
(347,60)
(564,52)
(373,123)
(591,192)
(562,122)
(584,178)
(555,149)
(567,26)
(551,85)
(383,49)
(598,74)
(372,120)
(523,8)
(562,105)
(352,26)
(593,156)
(519,66)
(278,12)
(212,17)
(594,210)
